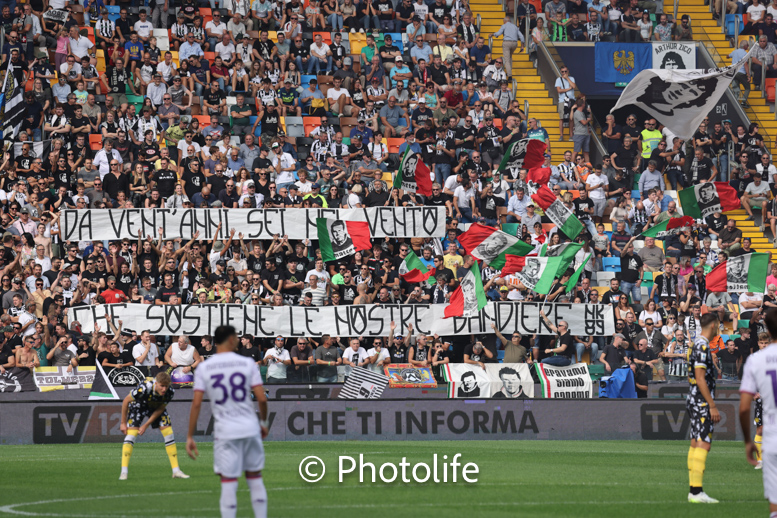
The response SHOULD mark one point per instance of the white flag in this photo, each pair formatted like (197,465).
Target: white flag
(679,99)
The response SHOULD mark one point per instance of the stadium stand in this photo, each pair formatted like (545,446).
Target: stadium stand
(259,97)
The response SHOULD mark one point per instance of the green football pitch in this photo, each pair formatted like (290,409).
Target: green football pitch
(522,478)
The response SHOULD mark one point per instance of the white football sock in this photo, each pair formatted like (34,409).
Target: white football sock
(258,496)
(228,501)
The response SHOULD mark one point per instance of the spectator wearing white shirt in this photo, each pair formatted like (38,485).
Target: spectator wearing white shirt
(215,29)
(79,45)
(143,27)
(167,68)
(595,184)
(102,159)
(320,53)
(226,50)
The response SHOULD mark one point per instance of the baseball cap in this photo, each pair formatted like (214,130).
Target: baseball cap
(315,186)
(220,262)
(24,210)
(422,101)
(275,144)
(185,119)
(504,288)
(397,337)
(347,61)
(398,58)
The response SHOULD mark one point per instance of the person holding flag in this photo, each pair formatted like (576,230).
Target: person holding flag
(563,349)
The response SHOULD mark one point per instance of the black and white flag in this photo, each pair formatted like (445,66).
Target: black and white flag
(13,105)
(56,15)
(363,384)
(679,99)
(37,149)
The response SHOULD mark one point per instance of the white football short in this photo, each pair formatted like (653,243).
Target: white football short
(231,457)
(770,476)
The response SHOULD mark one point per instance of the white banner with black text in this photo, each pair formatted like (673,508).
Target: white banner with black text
(351,320)
(570,382)
(112,224)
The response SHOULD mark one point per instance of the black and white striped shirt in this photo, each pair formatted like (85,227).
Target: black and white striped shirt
(105,28)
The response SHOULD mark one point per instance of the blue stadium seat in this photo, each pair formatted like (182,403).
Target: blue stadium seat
(500,356)
(113,9)
(635,194)
(306,80)
(611,264)
(731,24)
(396,38)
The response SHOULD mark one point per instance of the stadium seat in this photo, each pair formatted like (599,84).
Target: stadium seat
(95,142)
(731,24)
(311,123)
(769,87)
(611,264)
(113,9)
(500,355)
(325,36)
(393,144)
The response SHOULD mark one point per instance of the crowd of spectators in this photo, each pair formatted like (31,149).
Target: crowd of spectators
(441,93)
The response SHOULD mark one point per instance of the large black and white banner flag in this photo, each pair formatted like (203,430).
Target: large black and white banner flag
(101,224)
(353,320)
(364,384)
(679,99)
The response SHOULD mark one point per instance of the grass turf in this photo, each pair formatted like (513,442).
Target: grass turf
(522,478)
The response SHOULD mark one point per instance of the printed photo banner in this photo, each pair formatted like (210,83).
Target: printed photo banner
(112,224)
(674,55)
(406,375)
(570,382)
(497,380)
(353,320)
(57,378)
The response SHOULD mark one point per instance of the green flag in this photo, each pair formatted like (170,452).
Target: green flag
(572,282)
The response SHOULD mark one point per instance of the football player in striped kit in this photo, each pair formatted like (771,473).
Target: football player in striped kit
(148,400)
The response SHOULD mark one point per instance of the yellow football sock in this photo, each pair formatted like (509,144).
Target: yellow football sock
(699,464)
(758,445)
(691,451)
(126,450)
(172,451)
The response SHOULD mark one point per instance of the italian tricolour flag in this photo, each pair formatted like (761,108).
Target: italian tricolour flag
(558,212)
(469,298)
(413,175)
(704,199)
(491,245)
(740,274)
(338,238)
(669,227)
(413,270)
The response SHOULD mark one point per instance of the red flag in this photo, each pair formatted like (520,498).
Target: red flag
(729,199)
(513,264)
(685,221)
(544,197)
(535,154)
(717,280)
(416,275)
(539,175)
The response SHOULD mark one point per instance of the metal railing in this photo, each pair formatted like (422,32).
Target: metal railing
(747,114)
(478,21)
(595,128)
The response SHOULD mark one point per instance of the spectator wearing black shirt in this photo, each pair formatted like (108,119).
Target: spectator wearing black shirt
(613,355)
(564,348)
